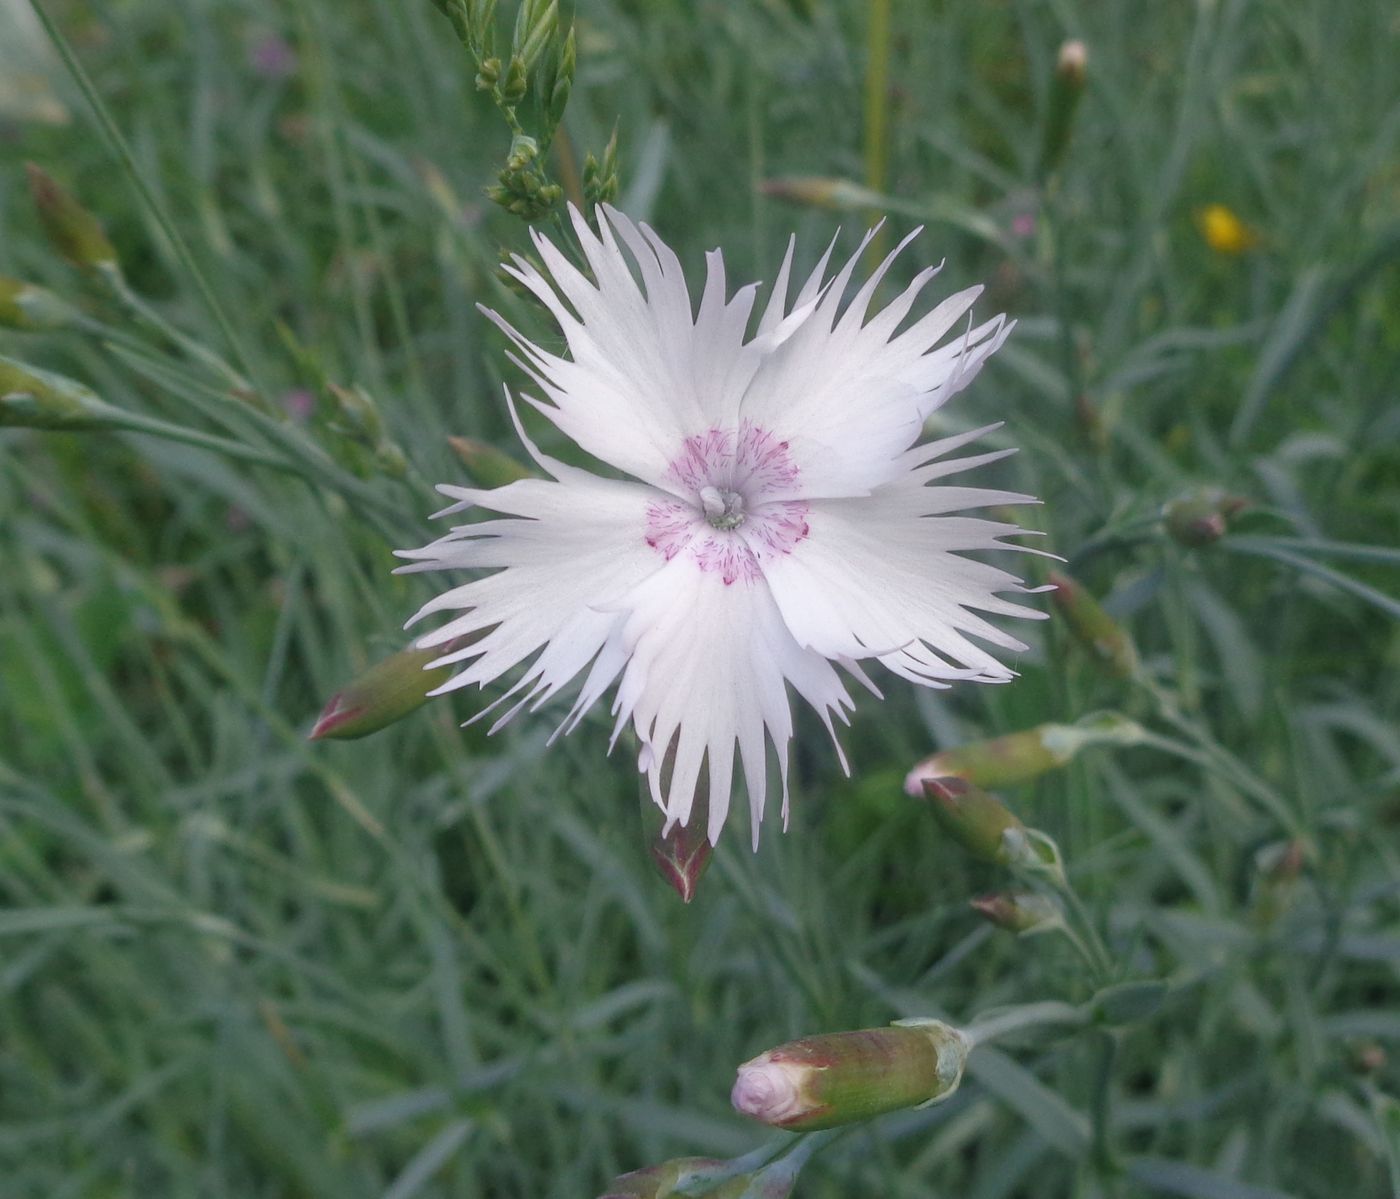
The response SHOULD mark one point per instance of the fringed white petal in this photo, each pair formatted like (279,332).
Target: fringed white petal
(566,556)
(643,373)
(787,522)
(708,669)
(851,394)
(884,577)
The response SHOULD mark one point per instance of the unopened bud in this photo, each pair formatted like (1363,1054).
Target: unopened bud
(524,149)
(676,1177)
(1066,88)
(32,308)
(1202,517)
(1020,757)
(973,818)
(1020,912)
(489,466)
(817,191)
(1224,232)
(683,854)
(681,851)
(1094,628)
(72,230)
(488,74)
(558,98)
(38,399)
(841,1078)
(600,179)
(514,86)
(387,692)
(1072,62)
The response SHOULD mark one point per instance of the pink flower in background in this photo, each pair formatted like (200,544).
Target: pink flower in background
(779,521)
(272,57)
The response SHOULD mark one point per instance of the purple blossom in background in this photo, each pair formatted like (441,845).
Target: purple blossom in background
(272,57)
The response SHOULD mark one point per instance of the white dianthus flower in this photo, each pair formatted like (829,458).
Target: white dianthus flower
(777,519)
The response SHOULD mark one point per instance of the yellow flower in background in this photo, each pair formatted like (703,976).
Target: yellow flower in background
(1224,232)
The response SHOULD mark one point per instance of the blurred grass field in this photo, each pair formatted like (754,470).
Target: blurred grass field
(429,963)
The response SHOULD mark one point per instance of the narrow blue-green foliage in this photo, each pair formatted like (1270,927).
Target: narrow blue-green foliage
(432,964)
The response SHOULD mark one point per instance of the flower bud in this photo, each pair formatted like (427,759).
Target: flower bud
(488,74)
(841,1078)
(457,12)
(387,692)
(513,88)
(817,191)
(562,86)
(1066,87)
(1201,517)
(1020,912)
(489,466)
(600,179)
(974,819)
(1224,232)
(682,854)
(71,229)
(1020,757)
(1094,628)
(668,1179)
(38,399)
(32,308)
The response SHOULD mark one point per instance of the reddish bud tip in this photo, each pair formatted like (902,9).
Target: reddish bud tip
(337,713)
(682,856)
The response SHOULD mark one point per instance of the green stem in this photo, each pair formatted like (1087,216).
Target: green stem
(1084,926)
(145,313)
(137,422)
(1209,753)
(1099,1107)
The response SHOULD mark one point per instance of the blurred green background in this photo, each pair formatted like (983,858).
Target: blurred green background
(234,963)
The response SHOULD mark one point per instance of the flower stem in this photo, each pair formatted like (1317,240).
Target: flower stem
(1085,931)
(138,422)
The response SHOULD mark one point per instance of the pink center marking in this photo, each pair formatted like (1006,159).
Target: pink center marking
(743,470)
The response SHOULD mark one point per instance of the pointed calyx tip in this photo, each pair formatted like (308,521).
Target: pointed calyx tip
(386,692)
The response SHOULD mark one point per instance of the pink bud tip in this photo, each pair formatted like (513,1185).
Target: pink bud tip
(769,1090)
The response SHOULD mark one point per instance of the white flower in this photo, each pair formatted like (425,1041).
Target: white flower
(776,520)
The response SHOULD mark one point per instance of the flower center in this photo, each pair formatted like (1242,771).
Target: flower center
(723,509)
(737,516)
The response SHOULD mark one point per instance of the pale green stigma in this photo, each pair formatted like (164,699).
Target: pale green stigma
(723,509)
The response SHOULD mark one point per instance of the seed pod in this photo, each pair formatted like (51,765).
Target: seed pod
(841,1078)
